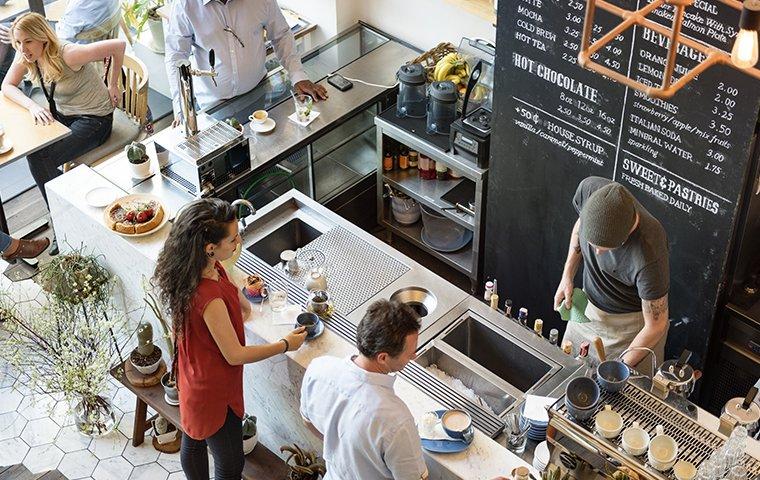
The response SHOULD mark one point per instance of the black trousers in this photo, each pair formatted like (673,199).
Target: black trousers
(87,132)
(226,446)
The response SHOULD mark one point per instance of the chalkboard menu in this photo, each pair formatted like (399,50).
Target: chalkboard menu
(685,159)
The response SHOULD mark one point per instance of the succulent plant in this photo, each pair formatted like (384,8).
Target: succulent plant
(161,425)
(303,465)
(145,345)
(249,426)
(234,123)
(136,153)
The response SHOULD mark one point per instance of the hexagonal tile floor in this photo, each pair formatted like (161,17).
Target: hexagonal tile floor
(37,433)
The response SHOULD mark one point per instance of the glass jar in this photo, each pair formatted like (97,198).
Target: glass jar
(441,171)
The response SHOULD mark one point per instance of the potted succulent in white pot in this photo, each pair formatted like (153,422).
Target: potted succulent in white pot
(250,433)
(164,431)
(139,161)
(168,380)
(146,357)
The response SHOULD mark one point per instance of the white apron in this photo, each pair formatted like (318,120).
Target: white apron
(617,331)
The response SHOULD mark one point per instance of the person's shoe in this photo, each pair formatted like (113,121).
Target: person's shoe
(27,249)
(53,248)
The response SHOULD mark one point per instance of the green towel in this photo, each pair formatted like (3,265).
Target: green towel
(577,313)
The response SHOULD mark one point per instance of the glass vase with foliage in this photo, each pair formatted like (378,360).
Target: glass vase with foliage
(68,337)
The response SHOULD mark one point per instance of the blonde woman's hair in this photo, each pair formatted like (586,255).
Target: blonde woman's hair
(51,60)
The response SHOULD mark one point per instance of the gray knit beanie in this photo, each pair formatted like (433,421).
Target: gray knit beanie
(608,216)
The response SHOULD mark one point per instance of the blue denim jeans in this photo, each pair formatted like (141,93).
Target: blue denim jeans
(87,132)
(5,241)
(226,446)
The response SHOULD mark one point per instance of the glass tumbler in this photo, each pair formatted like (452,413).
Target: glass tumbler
(303,107)
(278,300)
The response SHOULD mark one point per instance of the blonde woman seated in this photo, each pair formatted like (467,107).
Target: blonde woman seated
(76,94)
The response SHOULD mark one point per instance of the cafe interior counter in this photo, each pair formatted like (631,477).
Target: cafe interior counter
(271,387)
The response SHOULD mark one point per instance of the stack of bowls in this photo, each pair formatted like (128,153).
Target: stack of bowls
(537,429)
(582,397)
(541,456)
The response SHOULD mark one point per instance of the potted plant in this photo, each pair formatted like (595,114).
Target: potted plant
(164,431)
(234,123)
(168,380)
(138,159)
(146,357)
(303,465)
(138,13)
(65,337)
(250,433)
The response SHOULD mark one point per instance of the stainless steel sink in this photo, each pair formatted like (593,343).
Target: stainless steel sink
(493,393)
(290,236)
(497,353)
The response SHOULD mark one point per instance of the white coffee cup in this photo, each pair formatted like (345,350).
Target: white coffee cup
(635,440)
(684,470)
(663,451)
(608,422)
(259,116)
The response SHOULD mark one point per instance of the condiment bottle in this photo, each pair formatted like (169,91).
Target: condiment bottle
(441,171)
(422,166)
(413,159)
(488,291)
(403,159)
(508,308)
(522,316)
(495,301)
(521,473)
(567,347)
(387,162)
(553,336)
(395,161)
(538,327)
(430,170)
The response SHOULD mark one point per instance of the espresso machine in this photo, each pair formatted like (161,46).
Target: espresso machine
(205,155)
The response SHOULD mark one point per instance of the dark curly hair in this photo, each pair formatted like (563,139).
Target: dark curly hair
(183,258)
(384,328)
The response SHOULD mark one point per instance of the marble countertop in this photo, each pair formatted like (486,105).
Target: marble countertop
(484,460)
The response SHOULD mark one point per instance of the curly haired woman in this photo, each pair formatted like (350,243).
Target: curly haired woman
(207,312)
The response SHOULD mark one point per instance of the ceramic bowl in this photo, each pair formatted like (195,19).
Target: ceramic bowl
(613,375)
(581,397)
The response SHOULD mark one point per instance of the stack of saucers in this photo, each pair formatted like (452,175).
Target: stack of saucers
(537,430)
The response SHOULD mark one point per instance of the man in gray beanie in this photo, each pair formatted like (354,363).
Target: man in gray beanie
(626,275)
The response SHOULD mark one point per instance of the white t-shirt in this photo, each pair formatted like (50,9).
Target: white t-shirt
(369,431)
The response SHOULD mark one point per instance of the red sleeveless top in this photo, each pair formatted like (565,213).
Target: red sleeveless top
(206,382)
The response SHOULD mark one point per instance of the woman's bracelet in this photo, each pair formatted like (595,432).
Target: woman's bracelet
(287,345)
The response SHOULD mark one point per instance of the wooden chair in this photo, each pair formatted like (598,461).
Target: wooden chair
(131,115)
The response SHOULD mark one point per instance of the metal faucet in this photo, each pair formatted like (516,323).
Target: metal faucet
(187,95)
(248,205)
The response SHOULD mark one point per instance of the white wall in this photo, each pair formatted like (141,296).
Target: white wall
(422,23)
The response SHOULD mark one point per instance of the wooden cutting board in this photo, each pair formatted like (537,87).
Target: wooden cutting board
(139,380)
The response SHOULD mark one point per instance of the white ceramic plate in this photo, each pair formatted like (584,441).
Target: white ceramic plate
(265,127)
(7,146)
(99,197)
(140,198)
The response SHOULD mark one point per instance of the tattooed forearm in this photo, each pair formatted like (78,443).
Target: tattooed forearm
(656,307)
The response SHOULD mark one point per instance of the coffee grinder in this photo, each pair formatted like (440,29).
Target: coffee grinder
(470,135)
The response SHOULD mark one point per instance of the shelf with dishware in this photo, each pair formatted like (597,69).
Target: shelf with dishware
(446,190)
(461,259)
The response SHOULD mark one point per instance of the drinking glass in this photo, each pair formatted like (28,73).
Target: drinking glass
(303,106)
(517,433)
(278,300)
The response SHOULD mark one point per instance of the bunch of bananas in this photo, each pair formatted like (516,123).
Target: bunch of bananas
(452,67)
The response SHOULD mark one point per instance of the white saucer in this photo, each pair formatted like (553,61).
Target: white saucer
(265,127)
(6,147)
(99,197)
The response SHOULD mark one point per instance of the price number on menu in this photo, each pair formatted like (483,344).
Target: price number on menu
(715,158)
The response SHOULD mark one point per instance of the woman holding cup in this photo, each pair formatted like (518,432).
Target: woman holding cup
(207,312)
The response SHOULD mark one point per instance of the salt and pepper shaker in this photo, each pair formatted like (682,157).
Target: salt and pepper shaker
(553,336)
